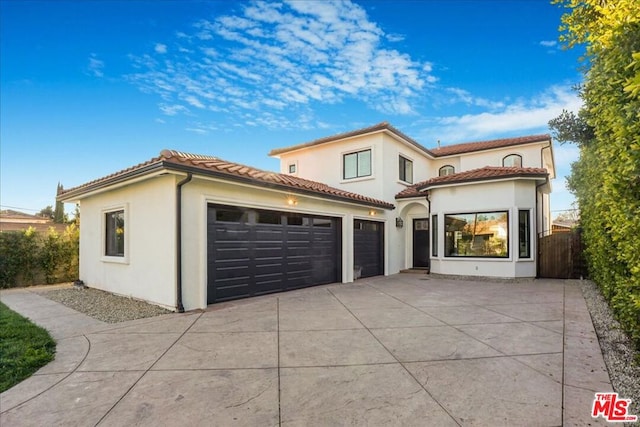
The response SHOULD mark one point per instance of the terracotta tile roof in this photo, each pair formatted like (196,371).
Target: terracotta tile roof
(375,128)
(486,173)
(213,166)
(448,150)
(469,147)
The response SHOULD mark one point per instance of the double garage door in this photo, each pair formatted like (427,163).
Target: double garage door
(253,251)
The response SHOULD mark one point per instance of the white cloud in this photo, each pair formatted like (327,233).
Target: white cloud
(522,115)
(95,66)
(193,101)
(548,43)
(461,95)
(285,55)
(199,131)
(393,38)
(172,110)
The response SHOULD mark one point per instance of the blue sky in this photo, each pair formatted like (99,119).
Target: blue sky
(89,88)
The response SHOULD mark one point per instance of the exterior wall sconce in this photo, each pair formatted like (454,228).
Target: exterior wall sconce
(291,201)
(399,222)
(372,213)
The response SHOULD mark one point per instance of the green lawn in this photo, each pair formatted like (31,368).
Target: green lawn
(24,348)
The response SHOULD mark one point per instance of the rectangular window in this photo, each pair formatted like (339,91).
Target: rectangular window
(268,217)
(356,165)
(231,214)
(321,222)
(114,237)
(294,219)
(524,234)
(292,168)
(479,234)
(434,232)
(406,170)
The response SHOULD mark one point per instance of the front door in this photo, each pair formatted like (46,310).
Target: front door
(421,243)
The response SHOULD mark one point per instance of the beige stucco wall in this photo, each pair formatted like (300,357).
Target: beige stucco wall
(148,269)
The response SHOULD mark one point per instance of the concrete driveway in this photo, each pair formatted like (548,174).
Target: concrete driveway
(399,350)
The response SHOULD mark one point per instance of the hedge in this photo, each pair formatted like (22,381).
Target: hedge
(31,258)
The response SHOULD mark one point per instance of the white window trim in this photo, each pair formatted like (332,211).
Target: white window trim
(103,234)
(344,180)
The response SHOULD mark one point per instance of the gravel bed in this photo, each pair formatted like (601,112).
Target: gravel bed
(622,360)
(103,305)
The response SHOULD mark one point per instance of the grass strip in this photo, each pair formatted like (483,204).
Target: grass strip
(24,348)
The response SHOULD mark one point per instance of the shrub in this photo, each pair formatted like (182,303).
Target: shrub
(28,258)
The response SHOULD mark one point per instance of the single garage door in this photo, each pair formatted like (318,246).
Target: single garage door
(254,252)
(368,248)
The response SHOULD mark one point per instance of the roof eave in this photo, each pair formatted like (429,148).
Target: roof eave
(435,154)
(82,191)
(145,172)
(533,176)
(248,180)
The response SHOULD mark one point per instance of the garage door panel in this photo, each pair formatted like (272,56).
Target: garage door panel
(253,252)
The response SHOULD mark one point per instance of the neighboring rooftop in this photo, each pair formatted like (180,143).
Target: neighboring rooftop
(486,173)
(11,220)
(447,150)
(213,166)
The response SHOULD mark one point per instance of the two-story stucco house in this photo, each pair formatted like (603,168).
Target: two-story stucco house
(185,230)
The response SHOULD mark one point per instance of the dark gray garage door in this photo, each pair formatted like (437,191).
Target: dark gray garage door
(253,252)
(368,247)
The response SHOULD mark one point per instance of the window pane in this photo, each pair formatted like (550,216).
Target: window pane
(482,234)
(406,170)
(364,163)
(409,172)
(292,168)
(293,219)
(524,233)
(268,217)
(114,237)
(350,165)
(230,214)
(446,170)
(321,222)
(434,239)
(512,160)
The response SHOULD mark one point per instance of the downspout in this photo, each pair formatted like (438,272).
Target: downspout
(179,305)
(536,218)
(542,207)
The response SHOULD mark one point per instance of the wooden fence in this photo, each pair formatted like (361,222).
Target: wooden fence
(560,256)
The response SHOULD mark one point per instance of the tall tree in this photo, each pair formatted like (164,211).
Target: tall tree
(606,178)
(58,214)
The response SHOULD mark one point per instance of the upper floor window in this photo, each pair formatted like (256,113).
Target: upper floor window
(406,170)
(356,165)
(512,161)
(446,170)
(292,168)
